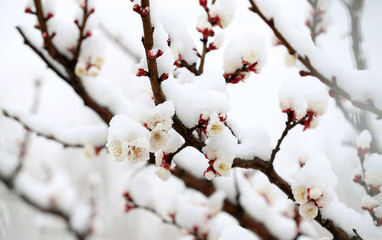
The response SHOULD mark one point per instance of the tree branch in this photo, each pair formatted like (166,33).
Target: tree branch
(313,71)
(269,171)
(47,136)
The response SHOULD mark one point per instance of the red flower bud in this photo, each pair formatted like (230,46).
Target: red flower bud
(28,10)
(332,93)
(303,73)
(203,3)
(357,179)
(164,76)
(50,15)
(222,117)
(141,72)
(91,11)
(154,54)
(127,196)
(128,207)
(88,34)
(362,152)
(144,12)
(137,8)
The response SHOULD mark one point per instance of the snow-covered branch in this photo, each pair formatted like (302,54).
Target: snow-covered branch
(333,77)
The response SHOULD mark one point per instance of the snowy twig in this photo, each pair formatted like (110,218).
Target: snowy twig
(356,233)
(42,56)
(47,136)
(268,169)
(203,56)
(10,181)
(131,205)
(354,9)
(119,43)
(192,68)
(314,32)
(288,126)
(236,73)
(148,42)
(69,65)
(159,97)
(313,71)
(48,44)
(85,15)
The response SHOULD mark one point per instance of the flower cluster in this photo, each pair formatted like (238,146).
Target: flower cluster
(242,58)
(128,140)
(212,124)
(219,14)
(89,67)
(165,165)
(310,200)
(155,53)
(205,28)
(217,166)
(304,100)
(141,11)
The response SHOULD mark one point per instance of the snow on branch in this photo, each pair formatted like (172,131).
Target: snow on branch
(346,83)
(76,137)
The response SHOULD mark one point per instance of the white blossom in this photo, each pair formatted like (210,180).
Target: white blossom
(209,175)
(308,210)
(368,202)
(373,179)
(138,150)
(204,25)
(158,140)
(314,193)
(300,194)
(163,173)
(222,167)
(97,61)
(250,56)
(118,149)
(215,126)
(93,71)
(80,69)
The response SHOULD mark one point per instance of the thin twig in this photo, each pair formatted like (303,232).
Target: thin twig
(289,124)
(47,136)
(81,36)
(42,56)
(48,44)
(203,57)
(126,50)
(10,181)
(163,219)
